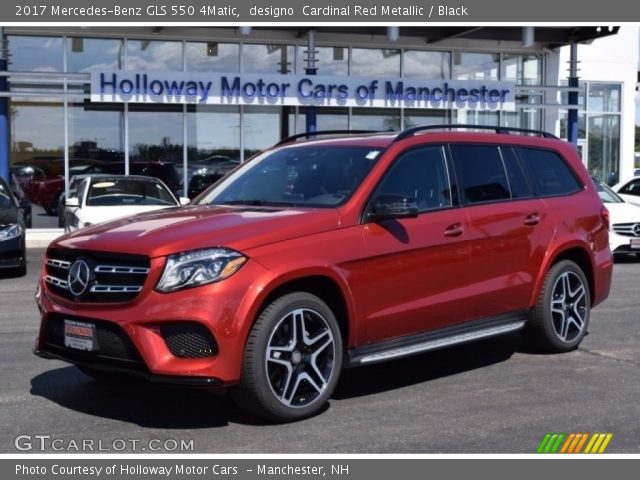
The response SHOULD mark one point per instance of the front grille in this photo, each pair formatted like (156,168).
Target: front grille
(189,340)
(111,341)
(627,229)
(113,278)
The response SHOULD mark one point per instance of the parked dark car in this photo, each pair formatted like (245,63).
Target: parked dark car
(12,236)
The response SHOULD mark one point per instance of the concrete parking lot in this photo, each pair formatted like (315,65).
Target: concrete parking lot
(491,396)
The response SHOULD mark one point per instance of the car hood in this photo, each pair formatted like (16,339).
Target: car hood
(623,213)
(175,230)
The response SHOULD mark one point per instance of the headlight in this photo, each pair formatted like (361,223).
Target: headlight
(7,232)
(199,267)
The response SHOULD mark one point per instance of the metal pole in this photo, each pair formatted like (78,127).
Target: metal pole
(4,114)
(310,117)
(572,117)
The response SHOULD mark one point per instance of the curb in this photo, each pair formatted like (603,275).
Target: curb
(42,237)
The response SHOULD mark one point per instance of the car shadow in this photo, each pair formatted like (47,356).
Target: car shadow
(396,374)
(158,406)
(138,402)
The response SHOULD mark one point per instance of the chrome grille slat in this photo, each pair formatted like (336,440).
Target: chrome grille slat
(56,281)
(53,262)
(115,289)
(119,269)
(113,277)
(626,229)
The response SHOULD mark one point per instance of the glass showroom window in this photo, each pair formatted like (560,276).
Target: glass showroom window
(87,54)
(212,57)
(42,54)
(268,58)
(213,131)
(259,129)
(375,119)
(475,66)
(329,60)
(96,131)
(472,117)
(327,118)
(154,55)
(414,117)
(369,62)
(522,69)
(426,65)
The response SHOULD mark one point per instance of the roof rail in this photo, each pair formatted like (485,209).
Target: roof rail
(409,132)
(293,138)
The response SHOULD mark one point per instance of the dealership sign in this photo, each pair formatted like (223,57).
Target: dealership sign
(303,90)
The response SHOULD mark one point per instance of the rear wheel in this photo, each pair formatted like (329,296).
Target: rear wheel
(292,359)
(560,319)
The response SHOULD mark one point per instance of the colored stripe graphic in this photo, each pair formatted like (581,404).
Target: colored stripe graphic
(555,442)
(551,442)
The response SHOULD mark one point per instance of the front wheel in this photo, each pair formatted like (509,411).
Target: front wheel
(292,359)
(560,319)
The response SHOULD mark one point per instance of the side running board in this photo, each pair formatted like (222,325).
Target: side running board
(433,340)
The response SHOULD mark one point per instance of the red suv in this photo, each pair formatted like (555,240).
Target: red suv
(329,253)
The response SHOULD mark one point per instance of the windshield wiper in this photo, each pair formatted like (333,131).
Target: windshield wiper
(249,201)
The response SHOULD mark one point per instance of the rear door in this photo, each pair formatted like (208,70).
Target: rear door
(509,228)
(417,268)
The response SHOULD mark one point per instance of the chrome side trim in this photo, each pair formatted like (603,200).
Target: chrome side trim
(115,289)
(442,342)
(57,282)
(118,269)
(52,262)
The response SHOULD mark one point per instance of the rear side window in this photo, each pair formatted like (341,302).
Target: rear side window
(480,173)
(520,187)
(549,172)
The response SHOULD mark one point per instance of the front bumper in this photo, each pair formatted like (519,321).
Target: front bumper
(13,252)
(621,243)
(96,364)
(223,308)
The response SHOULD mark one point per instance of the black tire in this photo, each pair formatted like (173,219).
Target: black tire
(559,321)
(303,370)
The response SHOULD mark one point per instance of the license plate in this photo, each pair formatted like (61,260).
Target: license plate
(634,244)
(79,335)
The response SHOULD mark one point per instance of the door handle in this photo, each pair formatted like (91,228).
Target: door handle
(454,230)
(532,219)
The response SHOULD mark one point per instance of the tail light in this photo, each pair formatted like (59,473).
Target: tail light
(604,214)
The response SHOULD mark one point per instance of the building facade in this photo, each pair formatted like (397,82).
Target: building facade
(52,116)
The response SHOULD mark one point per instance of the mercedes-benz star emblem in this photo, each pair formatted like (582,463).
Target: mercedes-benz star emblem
(636,229)
(78,278)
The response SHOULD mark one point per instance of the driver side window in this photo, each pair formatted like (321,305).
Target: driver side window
(421,174)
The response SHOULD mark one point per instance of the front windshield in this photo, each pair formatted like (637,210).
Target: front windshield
(109,192)
(313,176)
(606,194)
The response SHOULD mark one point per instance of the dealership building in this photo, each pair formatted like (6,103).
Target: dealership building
(186,94)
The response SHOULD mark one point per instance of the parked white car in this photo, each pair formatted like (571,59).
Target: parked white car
(629,190)
(104,198)
(624,217)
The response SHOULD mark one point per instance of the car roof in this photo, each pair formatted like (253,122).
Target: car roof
(451,133)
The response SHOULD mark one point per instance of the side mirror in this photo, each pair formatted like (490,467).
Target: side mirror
(388,206)
(72,202)
(25,205)
(184,201)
